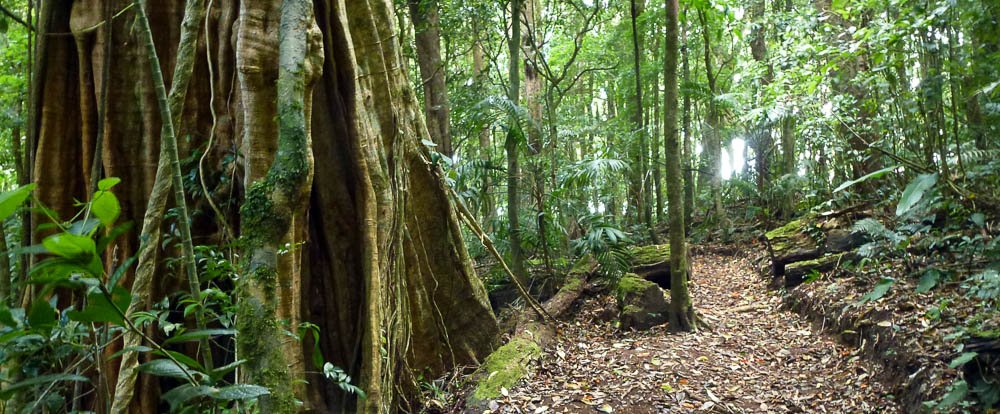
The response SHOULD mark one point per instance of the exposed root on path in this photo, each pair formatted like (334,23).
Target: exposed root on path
(760,358)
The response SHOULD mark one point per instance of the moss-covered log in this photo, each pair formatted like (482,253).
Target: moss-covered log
(653,263)
(796,273)
(509,363)
(807,244)
(791,243)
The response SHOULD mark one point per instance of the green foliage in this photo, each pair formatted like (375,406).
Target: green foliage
(341,379)
(914,192)
(606,243)
(47,347)
(878,292)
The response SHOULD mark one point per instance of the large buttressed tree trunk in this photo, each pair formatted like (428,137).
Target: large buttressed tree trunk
(382,269)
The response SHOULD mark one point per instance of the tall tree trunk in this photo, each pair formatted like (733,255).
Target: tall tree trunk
(378,261)
(274,203)
(427,29)
(168,176)
(932,100)
(761,136)
(713,134)
(644,199)
(487,205)
(657,133)
(533,99)
(688,159)
(514,134)
(862,134)
(682,317)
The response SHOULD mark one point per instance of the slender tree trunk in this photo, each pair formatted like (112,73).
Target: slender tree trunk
(427,29)
(514,134)
(644,198)
(682,317)
(761,137)
(657,133)
(861,135)
(533,99)
(168,176)
(5,274)
(688,161)
(487,205)
(713,141)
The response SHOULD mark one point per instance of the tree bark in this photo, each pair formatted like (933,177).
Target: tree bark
(713,138)
(437,111)
(168,175)
(861,136)
(487,203)
(688,159)
(514,134)
(682,317)
(375,258)
(639,126)
(761,137)
(533,99)
(656,143)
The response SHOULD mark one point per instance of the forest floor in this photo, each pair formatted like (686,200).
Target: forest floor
(758,357)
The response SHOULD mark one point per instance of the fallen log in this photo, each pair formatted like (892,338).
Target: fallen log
(653,264)
(809,244)
(796,273)
(532,334)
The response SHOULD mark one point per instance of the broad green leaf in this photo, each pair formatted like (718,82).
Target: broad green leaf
(70,246)
(880,290)
(184,359)
(240,392)
(979,219)
(6,317)
(867,177)
(120,271)
(107,183)
(42,315)
(104,241)
(197,335)
(165,368)
(56,270)
(105,207)
(99,309)
(914,192)
(963,359)
(84,227)
(9,390)
(180,395)
(11,200)
(217,373)
(957,393)
(928,280)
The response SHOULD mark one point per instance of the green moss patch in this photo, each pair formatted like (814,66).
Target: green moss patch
(631,284)
(572,283)
(648,255)
(505,366)
(583,265)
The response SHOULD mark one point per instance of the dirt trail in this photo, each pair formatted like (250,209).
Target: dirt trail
(759,359)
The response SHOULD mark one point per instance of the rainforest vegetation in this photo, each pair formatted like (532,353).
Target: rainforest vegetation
(509,206)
